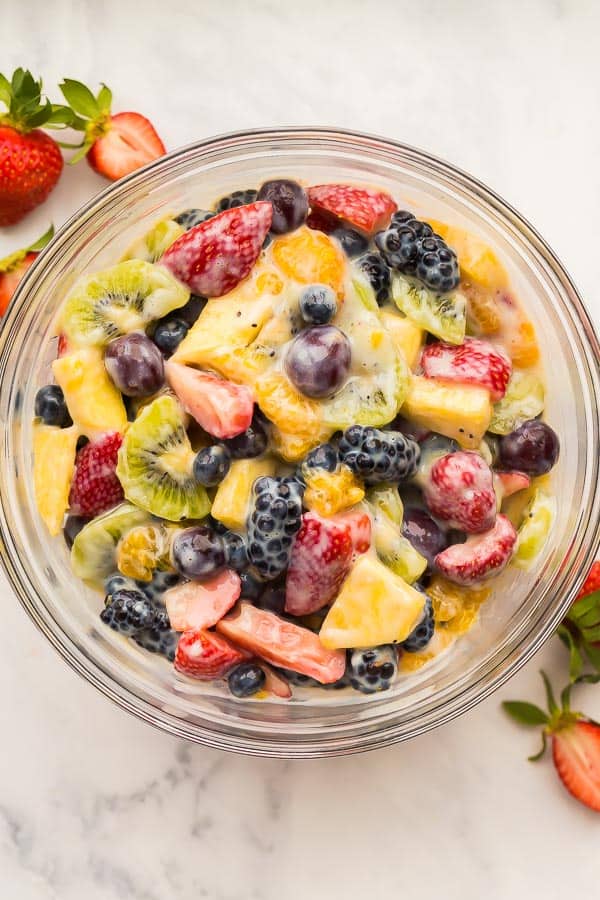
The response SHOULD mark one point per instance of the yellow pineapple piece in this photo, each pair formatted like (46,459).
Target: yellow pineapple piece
(143,550)
(294,447)
(94,402)
(375,606)
(328,493)
(269,282)
(407,337)
(462,412)
(153,244)
(53,465)
(477,260)
(230,505)
(311,258)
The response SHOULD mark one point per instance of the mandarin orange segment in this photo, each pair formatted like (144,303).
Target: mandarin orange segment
(523,347)
(311,258)
(483,315)
(288,409)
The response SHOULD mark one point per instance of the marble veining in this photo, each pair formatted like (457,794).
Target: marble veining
(96,805)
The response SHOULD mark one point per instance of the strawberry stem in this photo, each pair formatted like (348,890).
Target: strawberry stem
(26,107)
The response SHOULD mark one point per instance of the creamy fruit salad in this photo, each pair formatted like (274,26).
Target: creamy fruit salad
(293,439)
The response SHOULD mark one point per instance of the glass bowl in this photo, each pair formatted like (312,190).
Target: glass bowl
(525,606)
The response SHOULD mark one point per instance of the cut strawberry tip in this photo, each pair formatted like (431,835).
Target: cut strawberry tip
(481,557)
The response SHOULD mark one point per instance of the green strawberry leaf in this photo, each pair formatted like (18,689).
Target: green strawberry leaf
(80,98)
(5,91)
(584,606)
(575,657)
(525,713)
(593,655)
(60,115)
(589,678)
(552,705)
(41,242)
(36,119)
(540,752)
(104,99)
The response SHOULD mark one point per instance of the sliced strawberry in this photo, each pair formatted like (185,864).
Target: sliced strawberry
(473,362)
(274,683)
(365,208)
(95,487)
(62,347)
(460,490)
(14,266)
(206,655)
(129,142)
(222,408)
(321,558)
(591,583)
(481,556)
(576,755)
(282,643)
(360,530)
(511,482)
(213,257)
(196,604)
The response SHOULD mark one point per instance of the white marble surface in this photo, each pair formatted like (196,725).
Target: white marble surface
(96,805)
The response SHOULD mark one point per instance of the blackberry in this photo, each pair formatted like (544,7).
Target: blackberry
(252,587)
(376,455)
(325,456)
(423,633)
(373,669)
(377,272)
(236,553)
(161,582)
(246,680)
(237,198)
(275,517)
(128,611)
(51,407)
(412,247)
(192,217)
(160,638)
(353,242)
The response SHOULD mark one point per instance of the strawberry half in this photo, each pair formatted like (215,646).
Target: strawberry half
(222,408)
(460,490)
(321,559)
(14,266)
(213,257)
(481,556)
(364,208)
(473,362)
(510,483)
(575,741)
(282,643)
(591,583)
(199,605)
(205,655)
(95,485)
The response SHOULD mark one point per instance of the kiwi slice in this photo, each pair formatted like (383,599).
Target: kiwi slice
(379,377)
(155,465)
(118,300)
(392,547)
(538,520)
(444,315)
(93,554)
(153,244)
(524,399)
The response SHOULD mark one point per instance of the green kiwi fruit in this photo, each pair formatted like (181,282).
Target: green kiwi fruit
(151,246)
(124,298)
(392,547)
(444,315)
(155,464)
(524,399)
(93,554)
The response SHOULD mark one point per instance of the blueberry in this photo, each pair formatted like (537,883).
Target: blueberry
(289,202)
(118,583)
(373,669)
(325,456)
(353,242)
(198,553)
(189,218)
(377,273)
(192,309)
(249,443)
(128,611)
(252,587)
(318,304)
(236,553)
(237,198)
(169,333)
(246,680)
(161,582)
(423,633)
(270,535)
(50,406)
(376,455)
(73,526)
(211,465)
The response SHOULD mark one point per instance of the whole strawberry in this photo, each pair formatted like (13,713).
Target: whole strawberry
(95,485)
(14,266)
(30,160)
(460,491)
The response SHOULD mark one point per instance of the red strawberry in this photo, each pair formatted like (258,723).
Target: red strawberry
(282,643)
(591,583)
(14,266)
(213,257)
(320,560)
(63,345)
(510,483)
(95,486)
(474,362)
(206,655)
(115,145)
(199,605)
(460,490)
(360,530)
(275,683)
(222,408)
(481,556)
(364,208)
(30,161)
(585,611)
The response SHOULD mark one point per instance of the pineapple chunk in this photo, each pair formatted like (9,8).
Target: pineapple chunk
(53,465)
(94,402)
(232,499)
(294,447)
(478,262)
(462,412)
(374,607)
(407,337)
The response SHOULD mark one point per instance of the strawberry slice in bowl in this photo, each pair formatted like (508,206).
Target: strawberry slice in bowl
(364,208)
(222,408)
(199,605)
(474,362)
(95,486)
(213,257)
(205,655)
(481,556)
(460,490)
